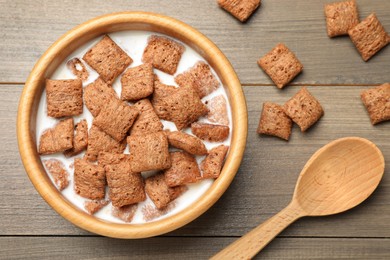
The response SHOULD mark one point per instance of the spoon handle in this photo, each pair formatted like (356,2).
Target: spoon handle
(250,244)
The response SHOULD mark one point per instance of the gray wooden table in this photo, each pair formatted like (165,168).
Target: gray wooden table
(334,72)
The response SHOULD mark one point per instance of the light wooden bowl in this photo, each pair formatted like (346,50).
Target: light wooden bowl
(47,64)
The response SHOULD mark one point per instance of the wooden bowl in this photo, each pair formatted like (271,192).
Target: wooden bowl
(47,64)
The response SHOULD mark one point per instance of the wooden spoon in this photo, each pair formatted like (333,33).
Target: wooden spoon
(338,177)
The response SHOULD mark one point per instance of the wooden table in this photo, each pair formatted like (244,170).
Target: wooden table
(334,72)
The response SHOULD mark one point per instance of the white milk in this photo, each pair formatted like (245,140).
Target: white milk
(133,43)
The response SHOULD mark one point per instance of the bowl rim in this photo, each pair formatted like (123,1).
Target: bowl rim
(68,43)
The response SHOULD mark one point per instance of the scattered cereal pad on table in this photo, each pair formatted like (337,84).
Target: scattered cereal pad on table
(58,172)
(184,107)
(304,109)
(377,102)
(64,97)
(281,65)
(99,141)
(186,142)
(161,92)
(341,17)
(125,186)
(125,213)
(184,170)
(150,212)
(89,179)
(57,139)
(108,59)
(369,37)
(147,121)
(241,9)
(116,118)
(159,192)
(97,95)
(78,68)
(209,132)
(211,166)
(218,110)
(274,121)
(200,78)
(137,82)
(93,206)
(80,139)
(149,152)
(163,53)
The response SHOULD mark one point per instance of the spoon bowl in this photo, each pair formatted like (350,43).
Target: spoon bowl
(338,177)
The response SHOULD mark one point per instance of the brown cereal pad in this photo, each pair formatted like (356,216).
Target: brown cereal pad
(163,53)
(209,132)
(377,102)
(116,118)
(369,36)
(211,166)
(281,65)
(137,82)
(184,169)
(99,141)
(304,109)
(274,121)
(80,139)
(89,179)
(125,213)
(200,78)
(64,97)
(58,172)
(149,152)
(341,17)
(161,92)
(57,139)
(186,142)
(108,59)
(217,110)
(93,206)
(106,158)
(78,68)
(97,95)
(147,121)
(241,9)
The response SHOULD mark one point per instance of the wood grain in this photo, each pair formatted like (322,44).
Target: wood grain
(299,24)
(188,248)
(262,187)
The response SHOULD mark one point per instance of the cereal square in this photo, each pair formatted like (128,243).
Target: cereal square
(106,158)
(186,142)
(377,102)
(80,139)
(369,36)
(99,141)
(185,107)
(211,166)
(159,192)
(125,213)
(241,9)
(116,118)
(78,68)
(147,121)
(341,17)
(108,59)
(304,109)
(93,206)
(200,78)
(149,152)
(97,95)
(89,179)
(218,110)
(163,53)
(137,82)
(57,139)
(209,132)
(274,121)
(64,97)
(281,65)
(58,172)
(184,170)
(126,186)
(161,92)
